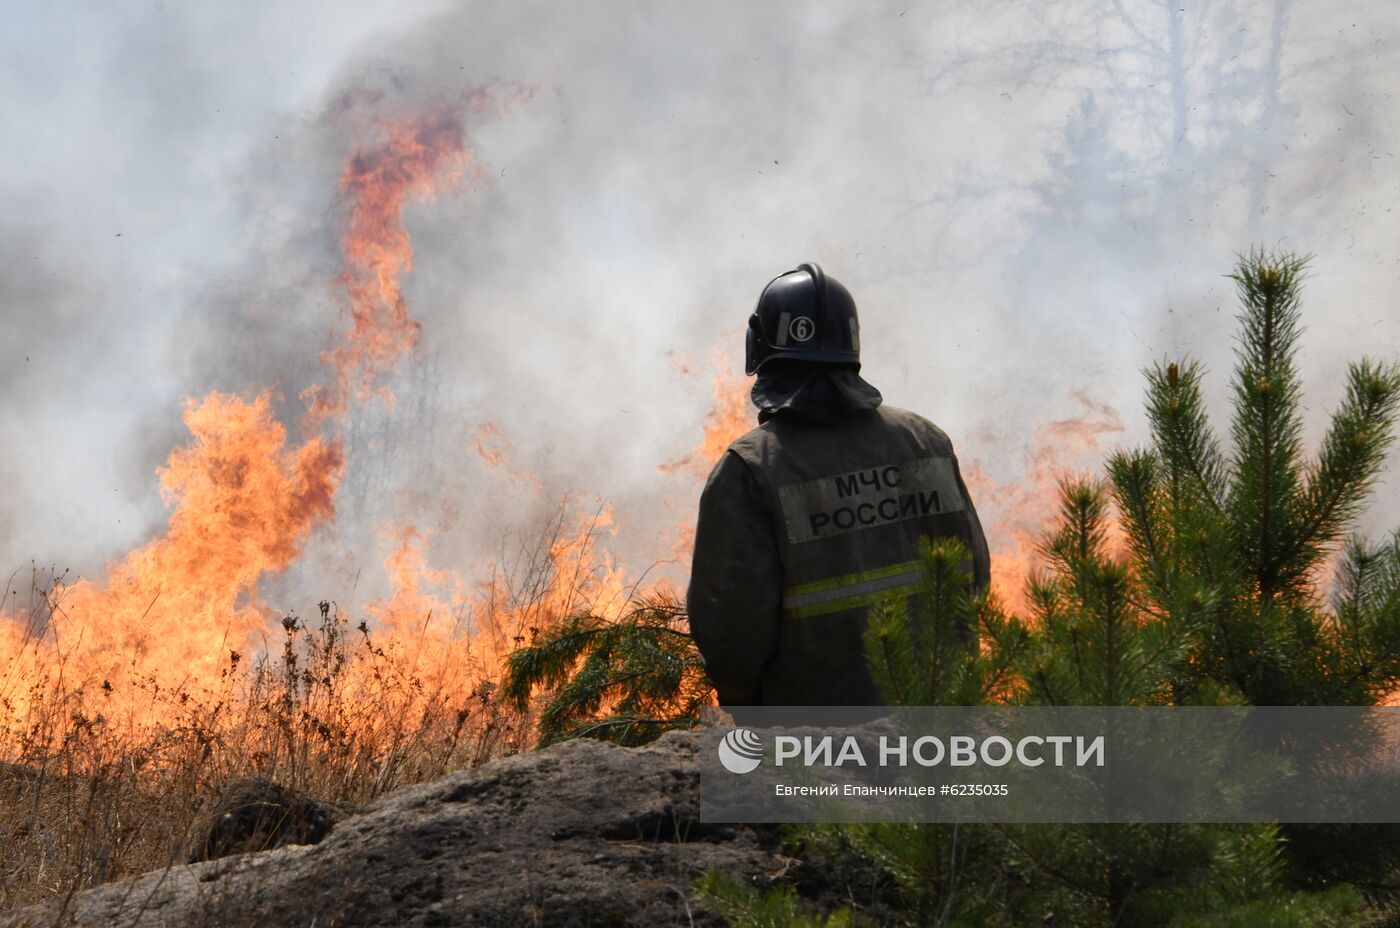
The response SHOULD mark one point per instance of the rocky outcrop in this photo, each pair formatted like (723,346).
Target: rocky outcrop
(580,834)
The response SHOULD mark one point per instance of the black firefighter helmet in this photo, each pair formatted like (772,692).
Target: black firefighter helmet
(805,316)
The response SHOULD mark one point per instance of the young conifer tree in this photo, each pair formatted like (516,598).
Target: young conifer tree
(1233,545)
(1220,599)
(1095,640)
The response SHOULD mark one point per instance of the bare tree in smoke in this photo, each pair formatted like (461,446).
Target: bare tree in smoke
(1179,110)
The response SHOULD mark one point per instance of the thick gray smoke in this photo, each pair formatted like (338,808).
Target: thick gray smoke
(1029,201)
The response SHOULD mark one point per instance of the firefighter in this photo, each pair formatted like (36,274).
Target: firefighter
(817,512)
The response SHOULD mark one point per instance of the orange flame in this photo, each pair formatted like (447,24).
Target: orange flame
(496,451)
(244,504)
(1016,516)
(418,157)
(487,442)
(731,415)
(439,628)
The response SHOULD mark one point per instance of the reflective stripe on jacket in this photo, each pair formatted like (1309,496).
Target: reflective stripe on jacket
(801,528)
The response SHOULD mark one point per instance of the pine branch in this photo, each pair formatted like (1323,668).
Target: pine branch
(1136,486)
(1354,582)
(889,655)
(1181,431)
(548,662)
(1352,454)
(1083,529)
(1267,427)
(640,666)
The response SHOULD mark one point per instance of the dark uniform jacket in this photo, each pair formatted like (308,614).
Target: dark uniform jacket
(802,526)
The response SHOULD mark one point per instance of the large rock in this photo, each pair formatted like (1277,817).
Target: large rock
(583,833)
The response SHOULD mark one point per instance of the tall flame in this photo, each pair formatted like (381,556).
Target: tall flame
(419,156)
